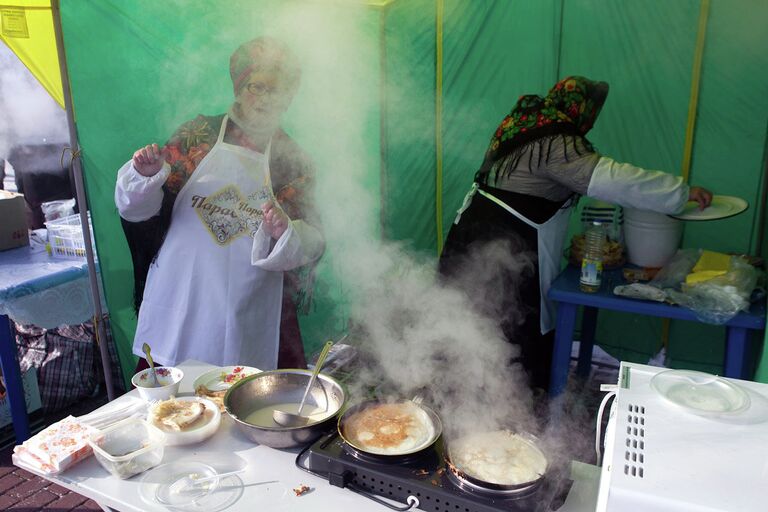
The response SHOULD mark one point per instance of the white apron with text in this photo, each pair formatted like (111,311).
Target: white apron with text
(203,299)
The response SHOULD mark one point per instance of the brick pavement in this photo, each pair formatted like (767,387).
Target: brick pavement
(22,491)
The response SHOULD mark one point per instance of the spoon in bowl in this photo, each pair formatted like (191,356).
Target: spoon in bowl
(153,383)
(289,419)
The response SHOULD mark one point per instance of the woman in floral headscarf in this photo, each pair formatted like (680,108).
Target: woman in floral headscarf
(220,221)
(538,162)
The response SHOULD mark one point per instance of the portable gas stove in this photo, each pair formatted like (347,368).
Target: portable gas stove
(422,481)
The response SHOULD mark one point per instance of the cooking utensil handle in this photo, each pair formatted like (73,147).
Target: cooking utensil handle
(152,373)
(411,501)
(145,348)
(318,365)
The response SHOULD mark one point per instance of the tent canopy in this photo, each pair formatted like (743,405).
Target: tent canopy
(26,27)
(401,97)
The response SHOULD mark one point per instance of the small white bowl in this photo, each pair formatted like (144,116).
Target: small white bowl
(206,428)
(168,377)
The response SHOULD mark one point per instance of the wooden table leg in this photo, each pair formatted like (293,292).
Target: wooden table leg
(561,357)
(736,348)
(587,342)
(12,376)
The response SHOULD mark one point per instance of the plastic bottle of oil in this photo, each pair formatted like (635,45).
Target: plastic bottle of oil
(592,263)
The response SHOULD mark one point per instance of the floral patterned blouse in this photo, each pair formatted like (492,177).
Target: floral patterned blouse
(291,170)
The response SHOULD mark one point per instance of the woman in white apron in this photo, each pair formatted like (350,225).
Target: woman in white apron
(219,225)
(506,243)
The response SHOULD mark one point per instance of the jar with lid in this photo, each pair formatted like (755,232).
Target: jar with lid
(592,262)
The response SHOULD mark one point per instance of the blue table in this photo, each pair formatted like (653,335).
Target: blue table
(24,275)
(566,292)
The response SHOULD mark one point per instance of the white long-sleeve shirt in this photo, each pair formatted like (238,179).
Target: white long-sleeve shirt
(633,187)
(139,197)
(556,169)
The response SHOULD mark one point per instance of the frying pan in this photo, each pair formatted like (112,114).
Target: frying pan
(494,486)
(432,417)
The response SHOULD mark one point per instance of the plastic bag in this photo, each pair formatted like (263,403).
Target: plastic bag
(58,209)
(716,300)
(672,275)
(641,291)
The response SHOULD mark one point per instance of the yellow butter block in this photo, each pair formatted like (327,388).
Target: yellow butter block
(704,275)
(711,260)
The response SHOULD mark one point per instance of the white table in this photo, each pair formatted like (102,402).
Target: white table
(228,450)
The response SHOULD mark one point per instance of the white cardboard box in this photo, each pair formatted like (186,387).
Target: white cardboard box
(13,221)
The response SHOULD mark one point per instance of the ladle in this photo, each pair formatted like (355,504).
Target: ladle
(289,419)
(153,383)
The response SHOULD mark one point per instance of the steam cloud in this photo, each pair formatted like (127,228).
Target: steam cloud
(421,334)
(424,336)
(30,115)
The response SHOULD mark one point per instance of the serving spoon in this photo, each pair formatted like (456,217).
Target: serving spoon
(153,383)
(289,419)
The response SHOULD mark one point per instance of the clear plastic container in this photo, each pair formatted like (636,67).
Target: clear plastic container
(129,447)
(592,263)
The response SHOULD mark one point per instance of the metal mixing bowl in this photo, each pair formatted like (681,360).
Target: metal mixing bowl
(278,387)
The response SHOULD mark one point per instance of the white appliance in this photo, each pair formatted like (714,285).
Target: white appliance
(664,457)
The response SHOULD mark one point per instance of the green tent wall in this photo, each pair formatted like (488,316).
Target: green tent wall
(139,68)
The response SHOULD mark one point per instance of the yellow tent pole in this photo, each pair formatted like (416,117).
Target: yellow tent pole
(693,101)
(690,128)
(440,7)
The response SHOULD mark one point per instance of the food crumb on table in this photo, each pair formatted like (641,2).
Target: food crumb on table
(301,490)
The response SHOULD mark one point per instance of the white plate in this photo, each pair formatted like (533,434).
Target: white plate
(198,434)
(221,379)
(722,207)
(700,393)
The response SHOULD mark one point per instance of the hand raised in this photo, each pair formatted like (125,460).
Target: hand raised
(275,219)
(149,160)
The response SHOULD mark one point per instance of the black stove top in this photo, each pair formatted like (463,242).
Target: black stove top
(424,476)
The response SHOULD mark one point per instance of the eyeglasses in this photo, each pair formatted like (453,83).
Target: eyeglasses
(260,89)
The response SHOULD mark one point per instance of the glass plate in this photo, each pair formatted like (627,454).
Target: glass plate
(722,207)
(699,392)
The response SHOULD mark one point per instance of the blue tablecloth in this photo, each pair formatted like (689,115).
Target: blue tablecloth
(36,288)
